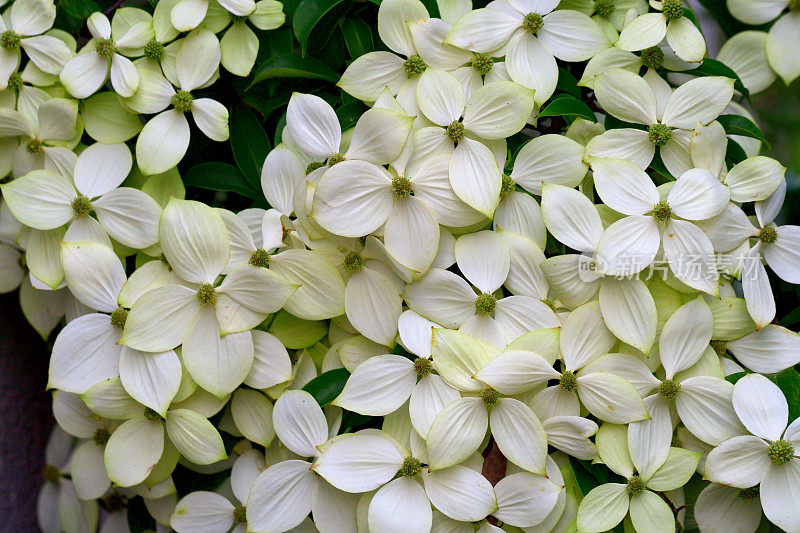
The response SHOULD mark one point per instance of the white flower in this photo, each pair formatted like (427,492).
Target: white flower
(239,45)
(531,34)
(649,29)
(26,22)
(83,75)
(769,350)
(670,116)
(768,456)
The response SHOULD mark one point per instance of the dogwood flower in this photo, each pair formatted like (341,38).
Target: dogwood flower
(767,457)
(669,122)
(24,28)
(532,34)
(549,158)
(239,45)
(723,508)
(607,505)
(610,15)
(649,29)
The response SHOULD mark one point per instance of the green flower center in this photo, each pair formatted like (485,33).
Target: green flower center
(335,159)
(768,235)
(422,367)
(662,211)
(154,50)
(549,303)
(401,187)
(455,131)
(81,206)
(780,452)
(749,494)
(206,294)
(101,436)
(259,258)
(490,397)
(119,317)
(353,262)
(507,187)
(15,82)
(411,467)
(51,473)
(673,9)
(604,8)
(794,6)
(659,134)
(532,23)
(105,48)
(568,382)
(314,165)
(653,57)
(151,415)
(9,41)
(482,63)
(414,66)
(636,485)
(485,304)
(676,442)
(720,347)
(669,389)
(182,101)
(34,146)
(240,515)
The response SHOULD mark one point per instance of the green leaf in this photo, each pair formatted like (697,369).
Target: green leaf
(735,153)
(357,36)
(349,113)
(292,65)
(217,176)
(307,16)
(567,83)
(714,67)
(139,519)
(733,378)
(739,125)
(327,386)
(588,476)
(568,106)
(249,143)
(789,383)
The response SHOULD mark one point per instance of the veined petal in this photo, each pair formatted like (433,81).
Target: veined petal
(739,462)
(572,36)
(761,406)
(133,451)
(571,217)
(440,97)
(299,423)
(691,256)
(441,296)
(252,414)
(281,496)
(705,408)
(101,168)
(400,505)
(498,110)
(456,432)
(475,176)
(483,30)
(162,142)
(686,40)
(195,437)
(754,179)
(519,434)
(599,391)
(698,100)
(460,493)
(378,386)
(525,499)
(649,512)
(532,65)
(411,234)
(629,311)
(392,27)
(458,357)
(698,195)
(429,397)
(626,96)
(644,31)
(160,318)
(685,336)
(124,76)
(152,379)
(367,76)
(472,253)
(359,463)
(628,246)
(313,125)
(212,118)
(373,306)
(198,59)
(623,186)
(429,36)
(41,199)
(781,42)
(549,158)
(202,511)
(94,274)
(780,488)
(130,216)
(239,49)
(379,136)
(83,75)
(603,508)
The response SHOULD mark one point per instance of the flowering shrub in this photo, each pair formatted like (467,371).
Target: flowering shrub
(500,267)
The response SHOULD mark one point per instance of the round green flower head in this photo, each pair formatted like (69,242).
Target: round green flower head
(353,262)
(669,389)
(411,467)
(662,211)
(604,8)
(749,494)
(532,23)
(206,294)
(659,134)
(780,452)
(154,50)
(240,515)
(794,6)
(10,41)
(15,82)
(151,415)
(101,436)
(507,187)
(455,131)
(259,258)
(652,57)
(568,382)
(485,304)
(401,187)
(490,397)
(482,63)
(105,48)
(34,146)
(335,159)
(768,235)
(119,317)
(636,485)
(314,165)
(422,367)
(673,9)
(414,66)
(549,303)
(81,206)
(182,101)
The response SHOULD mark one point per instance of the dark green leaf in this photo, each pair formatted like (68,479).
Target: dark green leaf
(739,125)
(274,43)
(568,106)
(733,378)
(713,67)
(587,475)
(735,153)
(306,17)
(350,113)
(139,519)
(218,176)
(327,386)
(293,66)
(279,129)
(567,83)
(357,36)
(249,143)
(789,383)
(433,7)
